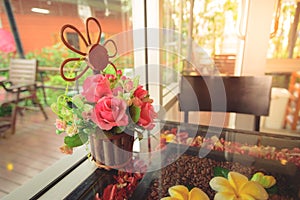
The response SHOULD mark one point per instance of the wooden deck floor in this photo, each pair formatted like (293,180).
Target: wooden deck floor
(33,148)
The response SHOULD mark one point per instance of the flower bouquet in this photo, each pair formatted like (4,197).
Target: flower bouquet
(110,108)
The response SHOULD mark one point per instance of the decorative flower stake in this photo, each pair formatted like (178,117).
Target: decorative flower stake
(96,57)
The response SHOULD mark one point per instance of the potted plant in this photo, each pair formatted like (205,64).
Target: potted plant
(110,108)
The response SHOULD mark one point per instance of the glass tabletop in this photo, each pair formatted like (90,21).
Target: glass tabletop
(197,154)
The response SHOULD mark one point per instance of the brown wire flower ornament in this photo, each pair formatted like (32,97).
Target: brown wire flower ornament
(96,57)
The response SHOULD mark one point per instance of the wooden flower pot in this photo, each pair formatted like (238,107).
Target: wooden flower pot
(111,151)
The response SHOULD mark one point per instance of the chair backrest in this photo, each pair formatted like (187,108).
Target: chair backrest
(22,71)
(237,94)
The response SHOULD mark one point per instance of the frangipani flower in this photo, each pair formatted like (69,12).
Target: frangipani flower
(265,181)
(169,137)
(180,192)
(237,187)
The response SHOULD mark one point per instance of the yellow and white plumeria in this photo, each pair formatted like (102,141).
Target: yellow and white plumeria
(237,187)
(180,192)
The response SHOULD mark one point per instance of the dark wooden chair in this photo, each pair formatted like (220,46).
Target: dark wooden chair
(20,87)
(235,94)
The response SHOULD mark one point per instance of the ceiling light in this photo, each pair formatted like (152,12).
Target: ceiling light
(40,10)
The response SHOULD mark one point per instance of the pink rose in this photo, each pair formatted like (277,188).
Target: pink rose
(110,112)
(140,92)
(95,87)
(147,116)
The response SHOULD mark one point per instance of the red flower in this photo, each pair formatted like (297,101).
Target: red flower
(95,87)
(119,72)
(110,112)
(147,116)
(140,92)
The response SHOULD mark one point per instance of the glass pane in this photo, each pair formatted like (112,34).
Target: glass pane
(35,147)
(195,155)
(284,42)
(212,32)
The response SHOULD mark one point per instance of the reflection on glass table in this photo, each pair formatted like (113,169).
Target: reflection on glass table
(192,156)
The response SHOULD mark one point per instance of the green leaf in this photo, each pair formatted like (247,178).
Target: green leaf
(272,190)
(87,107)
(189,187)
(78,113)
(77,101)
(135,113)
(88,130)
(136,80)
(219,171)
(118,129)
(109,70)
(126,96)
(264,180)
(54,108)
(76,140)
(58,132)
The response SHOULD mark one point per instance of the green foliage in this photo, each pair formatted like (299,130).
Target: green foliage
(220,171)
(272,190)
(51,95)
(109,70)
(124,61)
(5,111)
(62,109)
(135,113)
(210,18)
(56,80)
(76,140)
(278,45)
(4,62)
(4,58)
(52,56)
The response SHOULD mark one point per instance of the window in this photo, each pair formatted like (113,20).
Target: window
(206,32)
(35,146)
(284,42)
